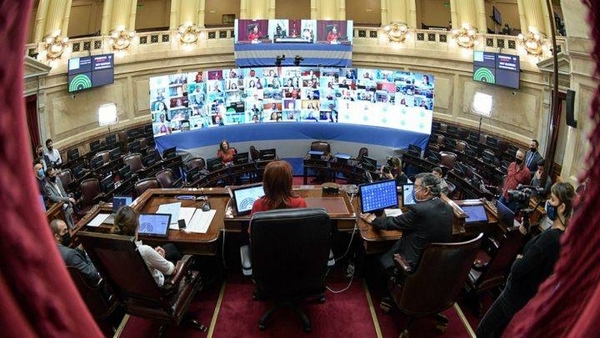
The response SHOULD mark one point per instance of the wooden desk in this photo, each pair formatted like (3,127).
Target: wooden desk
(187,243)
(339,208)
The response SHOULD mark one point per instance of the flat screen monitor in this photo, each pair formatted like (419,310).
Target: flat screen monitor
(134,147)
(125,172)
(111,139)
(119,201)
(407,194)
(315,154)
(114,154)
(95,146)
(97,162)
(268,154)
(368,163)
(156,225)
(192,175)
(78,171)
(107,184)
(214,163)
(495,68)
(505,215)
(244,198)
(90,71)
(169,153)
(496,15)
(149,160)
(241,158)
(73,154)
(475,214)
(378,195)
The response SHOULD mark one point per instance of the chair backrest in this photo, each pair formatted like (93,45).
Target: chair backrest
(66,177)
(90,189)
(290,250)
(447,159)
(105,155)
(145,184)
(438,279)
(254,153)
(197,162)
(461,146)
(134,161)
(321,146)
(166,178)
(493,275)
(97,297)
(362,152)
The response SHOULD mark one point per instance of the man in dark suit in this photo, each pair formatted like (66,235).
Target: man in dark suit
(73,257)
(56,193)
(428,221)
(532,156)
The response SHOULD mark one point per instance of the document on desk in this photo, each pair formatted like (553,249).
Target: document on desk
(392,212)
(185,213)
(172,209)
(200,221)
(99,219)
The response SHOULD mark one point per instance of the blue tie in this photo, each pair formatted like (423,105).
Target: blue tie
(529,158)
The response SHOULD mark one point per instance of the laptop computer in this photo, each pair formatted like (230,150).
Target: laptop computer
(244,197)
(117,203)
(156,225)
(505,215)
(407,194)
(475,214)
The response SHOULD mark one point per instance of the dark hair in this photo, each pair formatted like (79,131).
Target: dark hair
(221,145)
(126,221)
(565,193)
(541,162)
(437,170)
(537,144)
(277,184)
(430,181)
(48,141)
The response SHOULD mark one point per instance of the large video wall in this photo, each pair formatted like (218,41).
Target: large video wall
(214,98)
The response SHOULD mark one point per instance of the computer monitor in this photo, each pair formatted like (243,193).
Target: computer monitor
(475,214)
(97,162)
(119,201)
(149,160)
(156,225)
(378,195)
(107,184)
(73,154)
(407,194)
(78,171)
(491,141)
(111,139)
(268,154)
(169,153)
(241,158)
(214,163)
(114,154)
(95,146)
(125,173)
(192,175)
(505,215)
(134,147)
(316,154)
(244,197)
(368,163)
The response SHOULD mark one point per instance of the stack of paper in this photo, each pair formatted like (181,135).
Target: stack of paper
(200,221)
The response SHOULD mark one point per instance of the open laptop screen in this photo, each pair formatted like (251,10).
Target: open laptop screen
(119,201)
(505,215)
(475,214)
(244,198)
(407,194)
(378,196)
(154,224)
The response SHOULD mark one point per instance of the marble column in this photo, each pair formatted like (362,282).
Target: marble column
(534,16)
(399,11)
(257,9)
(52,16)
(465,13)
(118,14)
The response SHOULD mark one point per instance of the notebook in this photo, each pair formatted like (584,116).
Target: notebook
(117,203)
(244,198)
(156,225)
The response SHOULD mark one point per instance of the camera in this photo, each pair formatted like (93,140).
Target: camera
(523,193)
(386,169)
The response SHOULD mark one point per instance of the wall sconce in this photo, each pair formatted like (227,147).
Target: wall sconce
(120,38)
(188,33)
(54,45)
(396,32)
(465,36)
(533,43)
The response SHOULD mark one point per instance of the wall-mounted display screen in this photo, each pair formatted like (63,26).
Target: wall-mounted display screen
(90,71)
(221,97)
(293,31)
(496,68)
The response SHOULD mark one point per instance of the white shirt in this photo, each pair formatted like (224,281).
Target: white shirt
(53,156)
(158,265)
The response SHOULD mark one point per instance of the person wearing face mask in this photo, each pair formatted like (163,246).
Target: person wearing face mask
(39,156)
(73,257)
(56,193)
(533,267)
(40,176)
(532,156)
(518,173)
(52,156)
(427,221)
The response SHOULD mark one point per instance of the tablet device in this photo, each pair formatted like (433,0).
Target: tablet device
(378,195)
(156,225)
(407,194)
(244,197)
(475,214)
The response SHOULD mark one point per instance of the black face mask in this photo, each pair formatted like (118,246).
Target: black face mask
(533,150)
(52,179)
(49,148)
(65,239)
(519,161)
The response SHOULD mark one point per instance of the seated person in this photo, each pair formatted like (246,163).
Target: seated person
(225,152)
(160,259)
(439,173)
(73,257)
(277,184)
(394,171)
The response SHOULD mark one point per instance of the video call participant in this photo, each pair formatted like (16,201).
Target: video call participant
(52,156)
(225,152)
(56,193)
(277,184)
(427,221)
(532,267)
(160,260)
(518,173)
(333,35)
(73,257)
(254,33)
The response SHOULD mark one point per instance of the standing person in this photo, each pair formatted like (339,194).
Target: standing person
(39,157)
(52,156)
(277,184)
(40,176)
(56,193)
(427,221)
(532,156)
(518,173)
(225,152)
(73,257)
(159,259)
(533,267)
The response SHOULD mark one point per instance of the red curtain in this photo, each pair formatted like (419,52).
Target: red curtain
(36,292)
(568,305)
(32,121)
